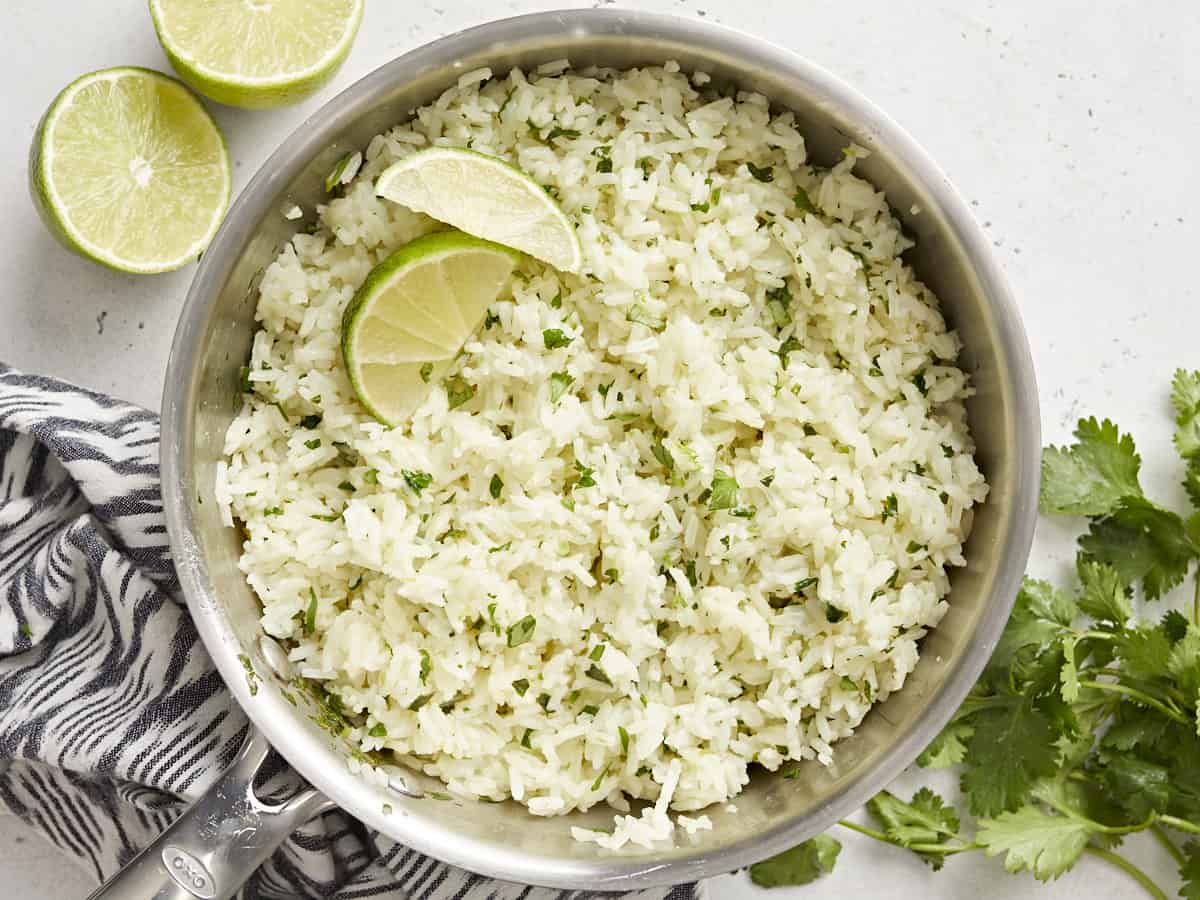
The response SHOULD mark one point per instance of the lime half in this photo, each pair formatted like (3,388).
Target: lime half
(413,314)
(486,197)
(256,54)
(128,169)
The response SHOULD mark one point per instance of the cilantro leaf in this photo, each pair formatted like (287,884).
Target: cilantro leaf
(802,864)
(1035,840)
(1142,541)
(554,338)
(603,152)
(761,173)
(787,347)
(1143,651)
(1135,785)
(1191,484)
(926,819)
(1185,397)
(1189,871)
(418,481)
(598,674)
(1090,477)
(1040,614)
(559,382)
(1011,748)
(1174,625)
(521,631)
(949,748)
(1069,671)
(585,475)
(1185,392)
(1183,665)
(458,391)
(803,201)
(1135,728)
(1039,678)
(1104,596)
(724,491)
(663,455)
(310,614)
(1180,748)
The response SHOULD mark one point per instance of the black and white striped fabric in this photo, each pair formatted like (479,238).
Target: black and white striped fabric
(111,715)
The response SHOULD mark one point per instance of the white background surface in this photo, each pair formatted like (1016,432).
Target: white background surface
(1070,125)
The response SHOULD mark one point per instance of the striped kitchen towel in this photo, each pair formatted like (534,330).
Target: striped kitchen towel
(112,717)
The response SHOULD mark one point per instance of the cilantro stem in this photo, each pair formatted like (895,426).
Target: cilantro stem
(1097,635)
(1196,596)
(1071,813)
(916,848)
(1129,868)
(1138,697)
(1167,844)
(1113,829)
(974,704)
(863,829)
(1179,824)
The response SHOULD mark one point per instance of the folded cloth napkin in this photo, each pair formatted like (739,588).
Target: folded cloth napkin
(112,716)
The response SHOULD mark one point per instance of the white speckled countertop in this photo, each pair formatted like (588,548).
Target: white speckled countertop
(1070,126)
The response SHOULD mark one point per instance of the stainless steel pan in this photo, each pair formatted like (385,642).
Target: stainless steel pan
(229,831)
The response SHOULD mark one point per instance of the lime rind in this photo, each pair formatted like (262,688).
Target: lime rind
(423,347)
(524,216)
(256,92)
(51,206)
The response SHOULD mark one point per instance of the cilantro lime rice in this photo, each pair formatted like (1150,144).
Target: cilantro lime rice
(689,511)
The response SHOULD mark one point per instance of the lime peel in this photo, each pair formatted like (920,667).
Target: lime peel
(403,328)
(229,61)
(143,200)
(486,197)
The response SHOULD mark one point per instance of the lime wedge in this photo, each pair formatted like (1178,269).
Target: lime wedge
(413,314)
(128,169)
(256,54)
(486,197)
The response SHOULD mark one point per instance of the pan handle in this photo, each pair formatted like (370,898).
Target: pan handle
(218,842)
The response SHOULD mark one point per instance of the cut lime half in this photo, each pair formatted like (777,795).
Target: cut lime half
(128,169)
(256,54)
(412,315)
(486,197)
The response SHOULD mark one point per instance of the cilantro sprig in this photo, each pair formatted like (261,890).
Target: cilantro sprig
(1084,726)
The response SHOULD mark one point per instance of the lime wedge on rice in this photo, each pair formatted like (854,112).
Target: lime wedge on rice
(256,54)
(486,197)
(416,309)
(128,169)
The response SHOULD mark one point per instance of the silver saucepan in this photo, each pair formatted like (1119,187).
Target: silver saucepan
(198,858)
